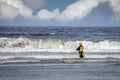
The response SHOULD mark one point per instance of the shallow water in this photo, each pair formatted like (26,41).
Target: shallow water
(61,71)
(49,53)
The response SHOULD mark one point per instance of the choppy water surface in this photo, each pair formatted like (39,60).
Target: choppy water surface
(19,43)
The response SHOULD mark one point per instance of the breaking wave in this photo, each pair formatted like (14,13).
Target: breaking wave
(55,45)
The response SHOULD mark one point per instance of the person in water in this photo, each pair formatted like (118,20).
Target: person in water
(81,52)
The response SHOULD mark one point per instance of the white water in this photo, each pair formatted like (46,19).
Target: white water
(36,45)
(57,56)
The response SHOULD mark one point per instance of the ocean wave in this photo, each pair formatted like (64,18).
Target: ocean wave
(32,34)
(58,58)
(55,45)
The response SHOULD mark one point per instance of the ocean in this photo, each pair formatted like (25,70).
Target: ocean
(49,53)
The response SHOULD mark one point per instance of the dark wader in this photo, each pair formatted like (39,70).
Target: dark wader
(81,54)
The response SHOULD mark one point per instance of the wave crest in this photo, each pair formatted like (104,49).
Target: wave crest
(55,45)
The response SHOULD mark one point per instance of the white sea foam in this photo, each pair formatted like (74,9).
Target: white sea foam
(60,57)
(57,56)
(55,45)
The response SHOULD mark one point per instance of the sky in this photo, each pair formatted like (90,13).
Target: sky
(59,12)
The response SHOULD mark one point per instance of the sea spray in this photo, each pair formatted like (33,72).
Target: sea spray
(55,45)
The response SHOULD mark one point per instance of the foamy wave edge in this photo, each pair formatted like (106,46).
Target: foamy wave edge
(55,45)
